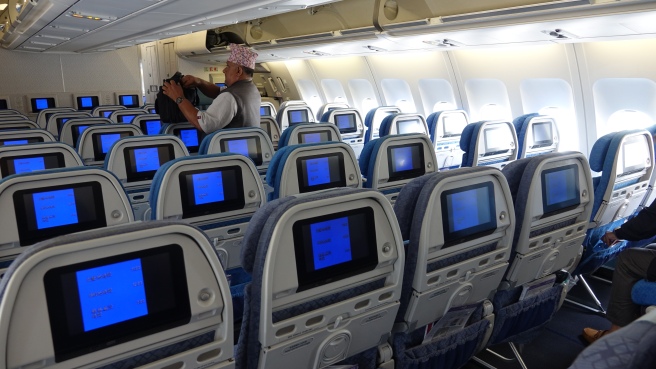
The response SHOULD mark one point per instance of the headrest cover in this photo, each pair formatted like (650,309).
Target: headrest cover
(242,55)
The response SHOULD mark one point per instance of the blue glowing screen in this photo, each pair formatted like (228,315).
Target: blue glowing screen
(127,100)
(402,157)
(81,129)
(16,142)
(238,147)
(560,186)
(263,111)
(29,165)
(106,114)
(331,243)
(127,118)
(41,103)
(106,141)
(87,102)
(208,187)
(470,208)
(318,171)
(312,137)
(153,127)
(189,137)
(146,159)
(55,208)
(297,116)
(111,294)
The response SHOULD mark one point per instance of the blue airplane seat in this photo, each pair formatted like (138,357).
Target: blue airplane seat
(373,119)
(452,269)
(146,294)
(343,301)
(390,162)
(488,143)
(312,167)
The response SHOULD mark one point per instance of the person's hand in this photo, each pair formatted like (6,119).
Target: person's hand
(173,90)
(190,81)
(610,239)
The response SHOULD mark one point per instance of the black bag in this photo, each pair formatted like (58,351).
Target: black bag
(168,110)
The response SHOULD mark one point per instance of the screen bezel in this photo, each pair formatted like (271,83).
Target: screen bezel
(257,159)
(467,234)
(29,237)
(50,101)
(303,111)
(549,210)
(350,129)
(303,185)
(135,97)
(97,143)
(130,171)
(68,345)
(144,126)
(189,210)
(4,161)
(4,104)
(547,142)
(405,174)
(311,279)
(95,102)
(199,136)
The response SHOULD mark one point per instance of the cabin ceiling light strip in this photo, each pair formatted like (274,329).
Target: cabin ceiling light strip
(515,10)
(78,15)
(3,7)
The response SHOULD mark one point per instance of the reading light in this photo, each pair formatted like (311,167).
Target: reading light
(317,53)
(374,48)
(443,43)
(559,34)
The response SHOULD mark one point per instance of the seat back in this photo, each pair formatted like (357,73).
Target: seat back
(445,128)
(96,141)
(135,160)
(350,126)
(9,112)
(144,295)
(553,200)
(536,135)
(150,108)
(309,133)
(460,226)
(267,109)
(73,128)
(651,194)
(45,114)
(327,264)
(374,118)
(150,124)
(46,204)
(491,143)
(217,192)
(252,142)
(329,107)
(625,160)
(269,125)
(56,121)
(293,113)
(389,163)
(15,124)
(16,159)
(12,117)
(191,136)
(126,115)
(403,123)
(312,167)
(105,111)
(25,136)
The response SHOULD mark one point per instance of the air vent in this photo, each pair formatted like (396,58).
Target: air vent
(515,10)
(420,23)
(357,31)
(317,36)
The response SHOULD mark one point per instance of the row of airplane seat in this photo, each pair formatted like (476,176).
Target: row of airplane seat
(333,282)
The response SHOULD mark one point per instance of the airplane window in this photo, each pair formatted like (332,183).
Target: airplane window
(436,95)
(628,119)
(492,112)
(443,105)
(397,92)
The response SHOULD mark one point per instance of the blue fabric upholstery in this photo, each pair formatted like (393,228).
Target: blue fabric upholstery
(386,125)
(325,116)
(368,121)
(366,156)
(630,347)
(284,137)
(468,140)
(521,125)
(644,293)
(431,121)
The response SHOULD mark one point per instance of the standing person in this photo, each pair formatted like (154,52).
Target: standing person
(238,105)
(632,265)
